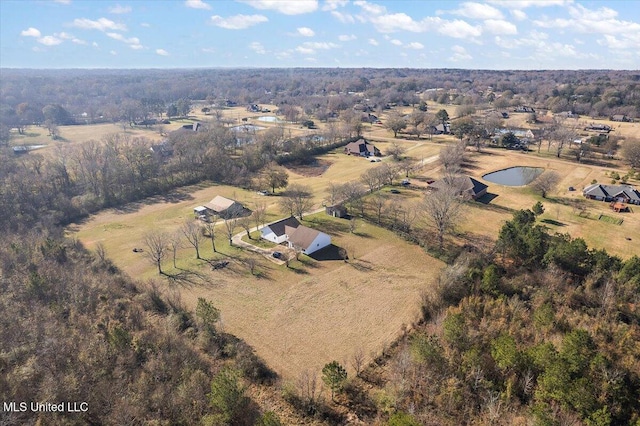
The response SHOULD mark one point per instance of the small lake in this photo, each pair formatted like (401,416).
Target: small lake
(514,176)
(248,128)
(268,119)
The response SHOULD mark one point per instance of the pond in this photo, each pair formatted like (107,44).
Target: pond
(247,128)
(514,176)
(269,119)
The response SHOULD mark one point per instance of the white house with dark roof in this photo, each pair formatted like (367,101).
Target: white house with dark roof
(621,193)
(308,240)
(276,232)
(296,236)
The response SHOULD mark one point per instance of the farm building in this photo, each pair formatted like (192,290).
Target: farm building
(361,147)
(465,185)
(276,232)
(337,210)
(225,207)
(621,193)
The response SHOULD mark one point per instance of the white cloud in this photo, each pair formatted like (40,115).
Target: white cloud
(459,29)
(287,7)
(102,24)
(208,50)
(162,52)
(499,26)
(258,48)
(396,42)
(94,44)
(310,47)
(50,40)
(370,8)
(478,11)
(31,32)
(523,4)
(518,14)
(133,42)
(373,42)
(63,1)
(119,10)
(113,52)
(306,32)
(402,22)
(334,4)
(238,22)
(197,4)
(67,36)
(145,24)
(627,43)
(346,37)
(415,45)
(345,18)
(459,54)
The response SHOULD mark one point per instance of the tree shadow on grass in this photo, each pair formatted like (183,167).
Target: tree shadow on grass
(186,278)
(552,222)
(362,266)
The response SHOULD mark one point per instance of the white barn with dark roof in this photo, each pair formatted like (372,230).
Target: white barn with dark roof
(296,236)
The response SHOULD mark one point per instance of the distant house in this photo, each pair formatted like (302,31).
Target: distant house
(225,207)
(568,114)
(602,128)
(524,108)
(308,240)
(524,135)
(276,232)
(254,108)
(466,186)
(361,147)
(441,129)
(337,210)
(620,193)
(620,117)
(505,114)
(194,126)
(162,150)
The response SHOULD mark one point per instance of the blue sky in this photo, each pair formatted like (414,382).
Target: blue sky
(490,34)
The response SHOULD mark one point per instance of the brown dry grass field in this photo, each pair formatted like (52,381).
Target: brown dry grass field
(298,318)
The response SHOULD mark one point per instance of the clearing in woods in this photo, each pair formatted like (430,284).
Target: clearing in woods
(296,318)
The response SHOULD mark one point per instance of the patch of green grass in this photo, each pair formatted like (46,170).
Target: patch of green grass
(609,219)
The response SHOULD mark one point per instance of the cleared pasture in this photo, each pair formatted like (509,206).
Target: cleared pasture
(296,318)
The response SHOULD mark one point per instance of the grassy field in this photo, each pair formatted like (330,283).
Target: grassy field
(298,318)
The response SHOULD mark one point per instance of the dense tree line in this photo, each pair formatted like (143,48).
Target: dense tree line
(538,330)
(73,328)
(88,96)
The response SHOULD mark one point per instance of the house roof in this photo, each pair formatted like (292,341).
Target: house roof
(360,145)
(303,236)
(462,183)
(612,191)
(279,227)
(220,204)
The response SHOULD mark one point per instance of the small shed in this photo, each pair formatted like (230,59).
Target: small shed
(200,211)
(337,210)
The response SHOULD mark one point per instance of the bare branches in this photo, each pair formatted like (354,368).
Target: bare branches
(156,244)
(443,209)
(546,182)
(193,234)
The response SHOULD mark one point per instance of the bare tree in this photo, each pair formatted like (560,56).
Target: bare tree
(297,200)
(357,361)
(175,243)
(631,152)
(230,224)
(546,182)
(156,244)
(372,178)
(251,264)
(443,209)
(101,252)
(210,228)
(452,156)
(396,151)
(259,213)
(378,202)
(245,223)
(193,234)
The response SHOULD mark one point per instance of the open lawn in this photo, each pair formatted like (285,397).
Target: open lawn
(296,318)
(562,206)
